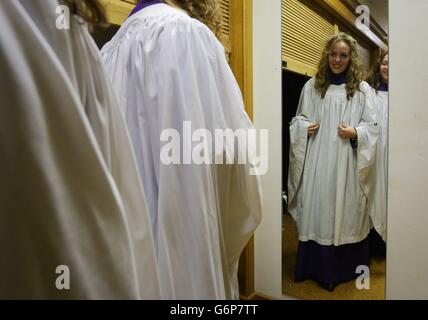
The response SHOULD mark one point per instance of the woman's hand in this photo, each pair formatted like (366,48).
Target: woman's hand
(313,127)
(346,132)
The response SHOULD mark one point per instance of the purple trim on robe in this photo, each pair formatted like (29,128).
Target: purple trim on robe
(383,86)
(144,4)
(337,79)
(330,265)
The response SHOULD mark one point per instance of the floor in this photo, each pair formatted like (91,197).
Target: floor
(310,290)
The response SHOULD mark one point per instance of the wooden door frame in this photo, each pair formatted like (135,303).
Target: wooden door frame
(241,62)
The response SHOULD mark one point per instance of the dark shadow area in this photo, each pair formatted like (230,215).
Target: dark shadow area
(292,84)
(104,35)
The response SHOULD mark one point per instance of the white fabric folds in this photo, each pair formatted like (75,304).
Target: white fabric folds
(168,68)
(70,194)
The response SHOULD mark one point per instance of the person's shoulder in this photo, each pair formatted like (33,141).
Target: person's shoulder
(167,15)
(192,26)
(365,87)
(161,22)
(157,17)
(310,84)
(194,31)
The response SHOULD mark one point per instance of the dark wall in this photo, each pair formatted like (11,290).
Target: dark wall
(292,84)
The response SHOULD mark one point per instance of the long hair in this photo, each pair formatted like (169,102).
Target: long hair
(375,79)
(90,10)
(206,11)
(354,73)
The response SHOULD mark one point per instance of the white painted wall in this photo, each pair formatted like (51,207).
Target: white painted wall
(407,244)
(267,115)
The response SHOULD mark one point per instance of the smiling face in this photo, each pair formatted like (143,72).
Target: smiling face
(384,68)
(339,57)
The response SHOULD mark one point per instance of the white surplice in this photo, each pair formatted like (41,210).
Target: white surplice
(378,202)
(329,181)
(168,68)
(70,194)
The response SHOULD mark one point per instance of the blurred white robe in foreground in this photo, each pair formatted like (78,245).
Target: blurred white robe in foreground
(69,189)
(168,68)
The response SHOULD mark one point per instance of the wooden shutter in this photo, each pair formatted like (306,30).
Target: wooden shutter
(226,25)
(225,12)
(305,29)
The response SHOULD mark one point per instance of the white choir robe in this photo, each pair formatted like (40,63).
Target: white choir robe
(69,191)
(329,181)
(378,202)
(168,68)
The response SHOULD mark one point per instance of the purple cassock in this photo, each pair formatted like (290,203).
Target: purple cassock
(383,86)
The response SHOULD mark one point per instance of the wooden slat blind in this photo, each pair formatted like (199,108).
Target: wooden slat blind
(365,56)
(304,33)
(226,26)
(225,12)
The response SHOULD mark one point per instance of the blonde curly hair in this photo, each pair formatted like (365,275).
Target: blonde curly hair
(206,11)
(354,73)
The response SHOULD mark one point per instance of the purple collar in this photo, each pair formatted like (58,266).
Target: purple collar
(144,4)
(337,79)
(383,86)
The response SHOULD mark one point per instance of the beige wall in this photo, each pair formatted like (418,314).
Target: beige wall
(407,251)
(267,114)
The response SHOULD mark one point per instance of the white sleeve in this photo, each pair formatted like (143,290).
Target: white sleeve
(368,131)
(298,142)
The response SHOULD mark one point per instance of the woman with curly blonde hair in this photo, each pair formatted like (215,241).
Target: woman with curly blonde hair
(354,70)
(170,71)
(333,138)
